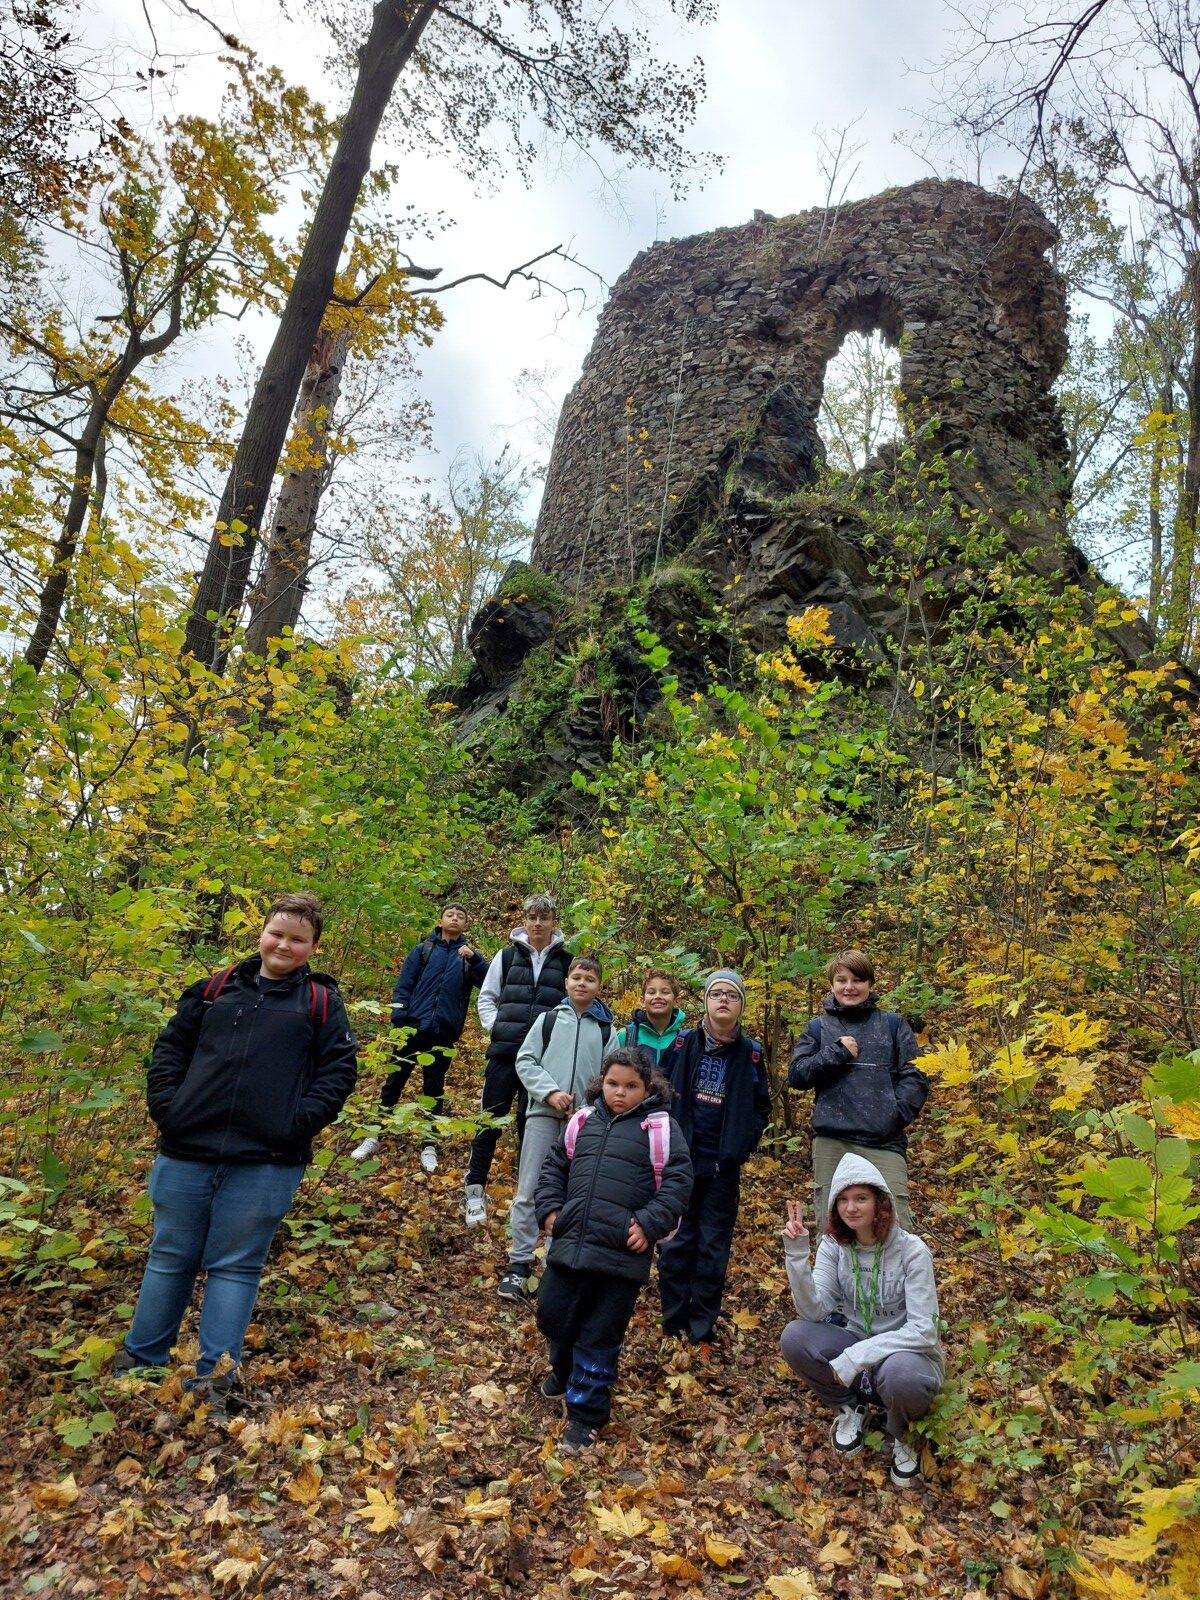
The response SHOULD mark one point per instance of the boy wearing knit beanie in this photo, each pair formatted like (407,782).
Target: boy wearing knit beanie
(722,1102)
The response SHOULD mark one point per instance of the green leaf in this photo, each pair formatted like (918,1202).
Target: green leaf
(1139,1132)
(42,1040)
(1177,1079)
(1172,1155)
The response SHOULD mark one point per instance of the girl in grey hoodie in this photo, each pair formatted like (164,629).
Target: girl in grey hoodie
(867,1333)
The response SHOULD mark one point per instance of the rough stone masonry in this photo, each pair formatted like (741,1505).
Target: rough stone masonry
(704,336)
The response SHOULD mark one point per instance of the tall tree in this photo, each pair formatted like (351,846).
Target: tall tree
(1115,86)
(176,235)
(476,68)
(439,561)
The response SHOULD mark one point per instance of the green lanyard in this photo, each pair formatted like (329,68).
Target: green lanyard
(866,1309)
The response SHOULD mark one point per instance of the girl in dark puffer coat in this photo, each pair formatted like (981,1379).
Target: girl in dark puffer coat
(614,1185)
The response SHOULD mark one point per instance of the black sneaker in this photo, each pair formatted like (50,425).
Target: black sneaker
(514,1285)
(215,1393)
(578,1437)
(127,1366)
(552,1387)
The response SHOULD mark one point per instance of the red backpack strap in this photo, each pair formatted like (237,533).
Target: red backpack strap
(318,1001)
(571,1131)
(216,983)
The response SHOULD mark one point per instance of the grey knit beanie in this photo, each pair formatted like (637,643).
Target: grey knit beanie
(725,975)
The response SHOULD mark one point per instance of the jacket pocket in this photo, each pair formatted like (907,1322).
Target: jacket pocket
(861,1103)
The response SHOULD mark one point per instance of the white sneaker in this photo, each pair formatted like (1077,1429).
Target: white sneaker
(906,1464)
(429,1159)
(849,1427)
(365,1150)
(476,1206)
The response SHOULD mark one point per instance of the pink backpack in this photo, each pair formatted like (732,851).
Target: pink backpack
(657,1125)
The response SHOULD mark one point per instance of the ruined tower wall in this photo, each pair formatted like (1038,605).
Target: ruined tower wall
(699,331)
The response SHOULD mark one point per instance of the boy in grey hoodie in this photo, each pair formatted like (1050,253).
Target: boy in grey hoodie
(877,1282)
(561,1054)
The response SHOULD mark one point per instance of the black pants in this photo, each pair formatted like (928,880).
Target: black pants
(433,1073)
(692,1266)
(584,1316)
(501,1087)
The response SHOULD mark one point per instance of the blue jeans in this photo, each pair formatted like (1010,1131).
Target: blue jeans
(215,1217)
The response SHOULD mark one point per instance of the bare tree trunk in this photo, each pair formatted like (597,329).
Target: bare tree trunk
(281,592)
(1166,401)
(396,29)
(1180,602)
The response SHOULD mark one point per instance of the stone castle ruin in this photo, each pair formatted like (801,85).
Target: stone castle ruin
(690,444)
(702,335)
(694,418)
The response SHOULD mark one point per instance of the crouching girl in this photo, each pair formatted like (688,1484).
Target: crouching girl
(614,1185)
(867,1334)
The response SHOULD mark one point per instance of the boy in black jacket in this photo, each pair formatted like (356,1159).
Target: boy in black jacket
(860,1062)
(430,1001)
(722,1102)
(256,1061)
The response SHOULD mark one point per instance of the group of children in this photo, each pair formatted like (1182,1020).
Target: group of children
(630,1139)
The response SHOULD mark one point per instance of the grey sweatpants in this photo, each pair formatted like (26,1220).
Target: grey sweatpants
(826,1153)
(905,1383)
(541,1135)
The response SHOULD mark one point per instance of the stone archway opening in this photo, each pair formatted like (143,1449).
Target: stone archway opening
(858,412)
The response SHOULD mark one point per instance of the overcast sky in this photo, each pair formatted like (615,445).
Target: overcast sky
(780,73)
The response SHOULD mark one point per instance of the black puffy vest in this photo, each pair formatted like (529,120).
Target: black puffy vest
(522,1001)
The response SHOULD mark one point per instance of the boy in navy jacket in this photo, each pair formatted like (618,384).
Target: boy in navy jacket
(722,1102)
(430,1001)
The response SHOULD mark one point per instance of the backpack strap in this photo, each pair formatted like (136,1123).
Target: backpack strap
(318,1004)
(426,947)
(549,1018)
(216,983)
(658,1129)
(507,957)
(605,1034)
(572,1130)
(658,1126)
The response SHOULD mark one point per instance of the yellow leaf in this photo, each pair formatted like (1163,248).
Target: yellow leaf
(719,1551)
(1184,1120)
(884,1582)
(54,1496)
(1078,1078)
(234,1570)
(1021,1583)
(380,1512)
(1111,1585)
(835,1552)
(746,1320)
(346,1567)
(488,1395)
(219,1515)
(305,1487)
(950,1063)
(619,1523)
(677,1567)
(479,1509)
(794,1584)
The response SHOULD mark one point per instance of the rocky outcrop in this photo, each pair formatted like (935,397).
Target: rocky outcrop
(706,337)
(691,432)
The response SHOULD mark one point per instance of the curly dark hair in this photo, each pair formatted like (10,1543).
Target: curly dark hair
(642,1062)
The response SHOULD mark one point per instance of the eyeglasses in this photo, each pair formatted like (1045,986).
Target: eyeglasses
(723,994)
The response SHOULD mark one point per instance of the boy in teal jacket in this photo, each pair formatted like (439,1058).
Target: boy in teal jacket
(655,1025)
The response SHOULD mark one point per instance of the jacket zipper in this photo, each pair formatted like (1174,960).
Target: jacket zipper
(237,1082)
